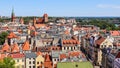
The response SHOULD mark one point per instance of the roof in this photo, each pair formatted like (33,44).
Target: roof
(74,65)
(15,48)
(30,55)
(48,62)
(115,33)
(39,53)
(100,40)
(5,47)
(47,58)
(12,35)
(77,53)
(17,55)
(70,41)
(62,56)
(2,56)
(39,25)
(26,46)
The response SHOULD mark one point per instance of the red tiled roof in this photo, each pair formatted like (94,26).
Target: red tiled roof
(48,62)
(15,48)
(115,33)
(39,53)
(74,54)
(62,56)
(26,46)
(12,35)
(39,25)
(6,48)
(99,41)
(71,41)
(47,58)
(2,56)
(17,55)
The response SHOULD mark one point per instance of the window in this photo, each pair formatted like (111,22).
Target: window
(33,62)
(17,60)
(64,48)
(55,59)
(30,62)
(68,48)
(37,62)
(33,66)
(22,60)
(38,67)
(29,66)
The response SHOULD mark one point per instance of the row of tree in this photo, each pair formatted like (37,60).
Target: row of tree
(101,24)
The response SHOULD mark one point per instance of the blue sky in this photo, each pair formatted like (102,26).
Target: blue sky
(60,7)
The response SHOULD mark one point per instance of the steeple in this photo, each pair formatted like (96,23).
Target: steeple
(12,15)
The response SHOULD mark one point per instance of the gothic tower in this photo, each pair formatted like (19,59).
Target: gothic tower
(12,16)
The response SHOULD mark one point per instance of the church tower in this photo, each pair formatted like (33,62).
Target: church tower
(45,17)
(12,16)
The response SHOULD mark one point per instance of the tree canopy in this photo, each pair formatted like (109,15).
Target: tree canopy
(7,63)
(3,35)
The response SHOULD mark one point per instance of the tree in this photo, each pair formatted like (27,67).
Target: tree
(7,63)
(3,35)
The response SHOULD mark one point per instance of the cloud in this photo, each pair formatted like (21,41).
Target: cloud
(108,6)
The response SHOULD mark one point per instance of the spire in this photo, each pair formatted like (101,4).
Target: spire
(12,15)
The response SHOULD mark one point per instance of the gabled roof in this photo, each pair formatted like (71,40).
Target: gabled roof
(6,47)
(15,48)
(47,58)
(100,40)
(26,46)
(2,56)
(12,35)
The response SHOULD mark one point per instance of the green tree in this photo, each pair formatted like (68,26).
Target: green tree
(7,63)
(3,35)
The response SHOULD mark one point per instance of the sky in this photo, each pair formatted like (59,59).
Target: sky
(82,8)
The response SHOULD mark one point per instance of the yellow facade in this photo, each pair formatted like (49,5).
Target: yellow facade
(19,63)
(106,43)
(39,61)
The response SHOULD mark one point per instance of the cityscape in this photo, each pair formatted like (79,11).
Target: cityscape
(59,39)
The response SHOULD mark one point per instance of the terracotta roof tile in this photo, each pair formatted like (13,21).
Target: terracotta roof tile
(63,56)
(17,55)
(15,48)
(26,46)
(115,33)
(12,35)
(99,41)
(6,48)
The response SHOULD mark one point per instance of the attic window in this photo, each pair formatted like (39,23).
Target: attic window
(76,65)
